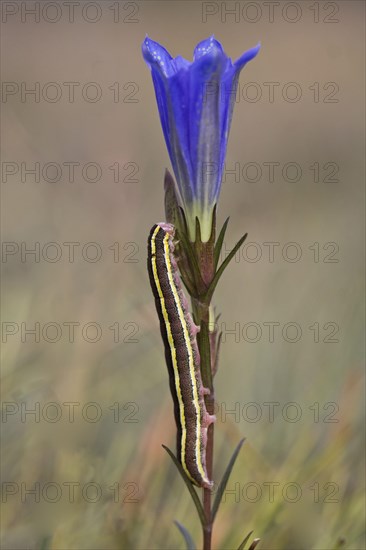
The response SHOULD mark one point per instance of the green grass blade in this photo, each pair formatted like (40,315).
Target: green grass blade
(186,535)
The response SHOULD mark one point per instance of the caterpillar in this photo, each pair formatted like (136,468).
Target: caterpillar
(182,356)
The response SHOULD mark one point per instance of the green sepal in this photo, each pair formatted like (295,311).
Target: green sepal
(222,268)
(186,535)
(219,243)
(198,231)
(225,479)
(189,485)
(188,265)
(213,226)
(205,254)
(184,227)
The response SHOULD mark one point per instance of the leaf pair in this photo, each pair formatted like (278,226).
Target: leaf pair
(220,491)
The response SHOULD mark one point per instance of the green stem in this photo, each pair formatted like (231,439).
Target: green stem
(202,316)
(207,530)
(205,262)
(202,313)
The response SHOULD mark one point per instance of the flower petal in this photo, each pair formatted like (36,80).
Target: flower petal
(172,99)
(229,87)
(181,63)
(209,45)
(247,56)
(157,56)
(205,120)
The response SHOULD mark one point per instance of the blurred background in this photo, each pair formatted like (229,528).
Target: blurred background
(85,398)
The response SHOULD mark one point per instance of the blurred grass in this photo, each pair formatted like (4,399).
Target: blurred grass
(130,453)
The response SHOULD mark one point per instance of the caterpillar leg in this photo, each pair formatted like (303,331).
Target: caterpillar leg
(208,419)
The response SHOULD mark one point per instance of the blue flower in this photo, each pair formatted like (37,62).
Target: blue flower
(195,102)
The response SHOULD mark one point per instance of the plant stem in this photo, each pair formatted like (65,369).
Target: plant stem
(207,530)
(206,344)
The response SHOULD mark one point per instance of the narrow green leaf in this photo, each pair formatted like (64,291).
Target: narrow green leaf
(190,487)
(186,535)
(254,544)
(220,242)
(242,546)
(225,479)
(223,266)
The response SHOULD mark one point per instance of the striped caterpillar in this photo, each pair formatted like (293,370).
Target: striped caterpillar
(181,353)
